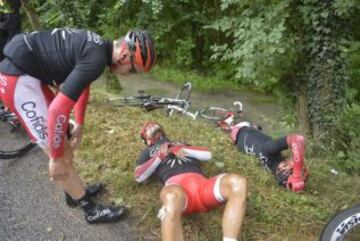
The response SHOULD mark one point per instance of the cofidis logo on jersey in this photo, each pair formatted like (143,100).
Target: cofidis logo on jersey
(93,37)
(36,122)
(58,132)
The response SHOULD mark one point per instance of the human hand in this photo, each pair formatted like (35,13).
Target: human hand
(164,150)
(178,151)
(295,183)
(76,136)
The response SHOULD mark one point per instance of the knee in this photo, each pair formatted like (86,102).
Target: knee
(238,185)
(68,162)
(173,199)
(58,171)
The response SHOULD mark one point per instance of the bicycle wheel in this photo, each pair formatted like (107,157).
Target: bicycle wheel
(14,140)
(343,226)
(184,95)
(129,101)
(185,92)
(213,113)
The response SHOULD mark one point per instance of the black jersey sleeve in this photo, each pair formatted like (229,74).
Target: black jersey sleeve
(87,69)
(144,157)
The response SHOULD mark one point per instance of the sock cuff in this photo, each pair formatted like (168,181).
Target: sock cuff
(229,239)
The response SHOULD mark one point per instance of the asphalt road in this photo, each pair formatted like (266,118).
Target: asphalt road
(33,209)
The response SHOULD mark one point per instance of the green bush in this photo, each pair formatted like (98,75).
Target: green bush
(348,158)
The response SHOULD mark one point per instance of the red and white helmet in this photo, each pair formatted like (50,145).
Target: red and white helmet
(142,47)
(151,132)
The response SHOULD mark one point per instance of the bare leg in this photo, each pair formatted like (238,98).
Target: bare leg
(173,199)
(233,188)
(64,174)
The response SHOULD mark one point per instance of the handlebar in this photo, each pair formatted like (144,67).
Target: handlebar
(240,106)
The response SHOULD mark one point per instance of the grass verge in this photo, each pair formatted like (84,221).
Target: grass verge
(111,146)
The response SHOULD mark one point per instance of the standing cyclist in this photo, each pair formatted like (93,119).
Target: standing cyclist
(70,60)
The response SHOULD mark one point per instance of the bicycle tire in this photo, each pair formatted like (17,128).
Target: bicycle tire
(213,113)
(128,101)
(343,224)
(5,155)
(16,142)
(183,94)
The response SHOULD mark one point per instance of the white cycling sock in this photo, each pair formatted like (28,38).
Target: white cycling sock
(229,239)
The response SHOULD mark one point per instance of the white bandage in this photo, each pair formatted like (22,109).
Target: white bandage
(162,213)
(229,239)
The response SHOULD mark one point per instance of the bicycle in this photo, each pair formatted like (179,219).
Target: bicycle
(181,105)
(15,142)
(181,102)
(225,119)
(343,226)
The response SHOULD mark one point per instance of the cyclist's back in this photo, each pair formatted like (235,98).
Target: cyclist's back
(70,59)
(57,56)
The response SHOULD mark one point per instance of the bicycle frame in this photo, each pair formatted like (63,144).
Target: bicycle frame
(194,115)
(184,110)
(180,104)
(9,117)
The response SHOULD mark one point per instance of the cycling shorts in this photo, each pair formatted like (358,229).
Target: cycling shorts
(202,194)
(29,99)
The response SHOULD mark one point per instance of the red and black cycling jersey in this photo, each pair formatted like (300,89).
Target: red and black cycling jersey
(70,57)
(149,162)
(255,143)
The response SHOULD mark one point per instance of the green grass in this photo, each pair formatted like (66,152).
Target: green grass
(112,144)
(199,82)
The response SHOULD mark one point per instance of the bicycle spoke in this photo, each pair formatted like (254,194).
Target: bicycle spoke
(14,141)
(213,113)
(185,92)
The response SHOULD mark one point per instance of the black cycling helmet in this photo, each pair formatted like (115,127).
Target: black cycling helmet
(142,47)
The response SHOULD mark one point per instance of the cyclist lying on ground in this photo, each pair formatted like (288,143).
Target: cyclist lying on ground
(68,59)
(290,173)
(186,190)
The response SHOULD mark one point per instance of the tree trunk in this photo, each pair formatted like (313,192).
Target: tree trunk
(31,13)
(323,78)
(302,112)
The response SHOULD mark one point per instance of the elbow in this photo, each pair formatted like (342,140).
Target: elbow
(137,176)
(139,180)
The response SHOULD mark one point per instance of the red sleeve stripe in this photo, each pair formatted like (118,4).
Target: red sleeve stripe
(145,170)
(58,118)
(80,106)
